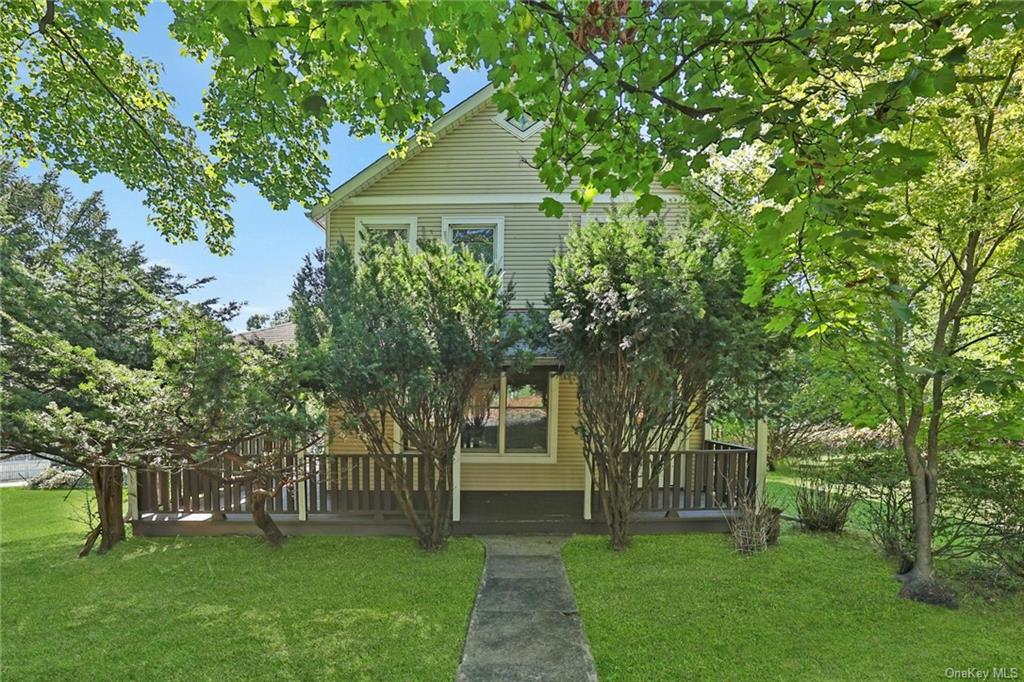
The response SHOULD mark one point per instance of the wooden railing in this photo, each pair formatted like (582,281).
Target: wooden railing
(331,484)
(356,484)
(712,478)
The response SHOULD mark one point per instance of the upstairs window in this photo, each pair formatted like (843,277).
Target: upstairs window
(483,236)
(390,229)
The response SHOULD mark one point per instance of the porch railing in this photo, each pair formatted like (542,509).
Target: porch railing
(326,484)
(712,478)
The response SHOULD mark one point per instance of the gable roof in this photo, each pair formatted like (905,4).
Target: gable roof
(387,163)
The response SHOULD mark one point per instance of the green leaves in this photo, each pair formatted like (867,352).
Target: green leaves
(551,207)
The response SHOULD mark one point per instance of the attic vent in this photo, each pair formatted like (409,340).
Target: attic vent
(521,126)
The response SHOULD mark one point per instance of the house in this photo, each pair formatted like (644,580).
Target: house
(520,466)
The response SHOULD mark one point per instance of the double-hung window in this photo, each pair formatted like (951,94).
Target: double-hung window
(512,417)
(483,236)
(388,228)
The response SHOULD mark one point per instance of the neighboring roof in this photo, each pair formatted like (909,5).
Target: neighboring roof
(279,334)
(388,163)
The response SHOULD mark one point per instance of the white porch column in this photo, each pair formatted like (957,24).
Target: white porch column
(588,485)
(301,466)
(761,458)
(457,481)
(132,483)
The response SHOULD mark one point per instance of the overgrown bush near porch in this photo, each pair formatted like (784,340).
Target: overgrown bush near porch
(343,608)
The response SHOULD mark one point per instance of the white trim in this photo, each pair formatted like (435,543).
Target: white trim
(588,486)
(388,163)
(457,480)
(499,232)
(502,120)
(477,199)
(367,223)
(132,484)
(502,410)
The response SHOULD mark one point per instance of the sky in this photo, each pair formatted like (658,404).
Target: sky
(268,245)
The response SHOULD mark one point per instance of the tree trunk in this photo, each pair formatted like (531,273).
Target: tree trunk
(258,508)
(107,482)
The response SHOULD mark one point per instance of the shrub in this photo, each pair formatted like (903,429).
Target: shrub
(58,478)
(823,499)
(756,524)
(980,510)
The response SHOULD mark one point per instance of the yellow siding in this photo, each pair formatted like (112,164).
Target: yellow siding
(476,157)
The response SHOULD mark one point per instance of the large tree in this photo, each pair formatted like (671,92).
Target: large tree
(242,403)
(662,84)
(79,311)
(403,338)
(927,317)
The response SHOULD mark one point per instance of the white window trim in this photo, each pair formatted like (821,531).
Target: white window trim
(499,233)
(502,457)
(366,223)
(502,120)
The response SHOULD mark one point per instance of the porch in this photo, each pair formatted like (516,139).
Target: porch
(351,495)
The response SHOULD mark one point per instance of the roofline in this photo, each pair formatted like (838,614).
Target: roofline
(387,163)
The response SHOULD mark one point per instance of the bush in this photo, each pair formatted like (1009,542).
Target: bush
(980,513)
(59,478)
(755,526)
(823,501)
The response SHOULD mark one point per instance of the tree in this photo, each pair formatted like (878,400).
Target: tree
(79,309)
(644,81)
(927,317)
(647,320)
(404,338)
(262,321)
(101,416)
(229,394)
(104,111)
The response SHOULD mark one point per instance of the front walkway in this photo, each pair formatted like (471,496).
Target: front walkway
(524,625)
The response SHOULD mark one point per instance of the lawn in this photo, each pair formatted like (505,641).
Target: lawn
(688,607)
(216,608)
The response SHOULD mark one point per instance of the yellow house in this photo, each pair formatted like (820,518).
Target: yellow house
(475,184)
(520,467)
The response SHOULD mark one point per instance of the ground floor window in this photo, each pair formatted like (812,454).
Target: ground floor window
(512,415)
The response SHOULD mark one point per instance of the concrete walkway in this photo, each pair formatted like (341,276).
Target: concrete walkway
(524,625)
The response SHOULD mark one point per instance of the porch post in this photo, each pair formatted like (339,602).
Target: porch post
(132,483)
(761,459)
(588,485)
(301,467)
(457,480)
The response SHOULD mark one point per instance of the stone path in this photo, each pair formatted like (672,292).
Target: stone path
(524,624)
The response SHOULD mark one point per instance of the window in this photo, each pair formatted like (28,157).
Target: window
(521,126)
(388,228)
(512,418)
(484,237)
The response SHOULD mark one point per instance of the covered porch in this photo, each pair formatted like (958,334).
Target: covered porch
(352,495)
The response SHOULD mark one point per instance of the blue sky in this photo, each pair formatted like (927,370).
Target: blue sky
(268,244)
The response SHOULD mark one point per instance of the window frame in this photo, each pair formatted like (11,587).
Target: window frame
(367,223)
(447,222)
(504,457)
(522,135)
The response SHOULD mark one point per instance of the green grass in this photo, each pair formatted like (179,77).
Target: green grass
(688,607)
(225,607)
